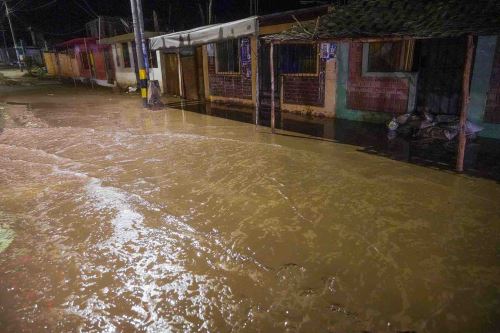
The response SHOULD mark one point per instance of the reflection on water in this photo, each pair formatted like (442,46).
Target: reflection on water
(482,157)
(128,220)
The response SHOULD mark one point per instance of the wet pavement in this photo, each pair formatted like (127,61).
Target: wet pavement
(117,219)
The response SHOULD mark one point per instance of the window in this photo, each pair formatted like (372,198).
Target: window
(298,58)
(228,56)
(153,60)
(84,58)
(390,56)
(126,55)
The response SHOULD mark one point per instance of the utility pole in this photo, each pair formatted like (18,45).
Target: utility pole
(33,37)
(7,57)
(7,12)
(145,53)
(143,82)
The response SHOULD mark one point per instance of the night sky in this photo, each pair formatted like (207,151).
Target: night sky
(64,19)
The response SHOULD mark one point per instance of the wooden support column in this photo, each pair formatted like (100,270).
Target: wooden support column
(273,107)
(257,77)
(465,102)
(179,69)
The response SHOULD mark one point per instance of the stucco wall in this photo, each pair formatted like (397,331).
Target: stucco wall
(125,76)
(156,73)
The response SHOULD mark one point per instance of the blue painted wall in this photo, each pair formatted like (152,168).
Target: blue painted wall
(480,84)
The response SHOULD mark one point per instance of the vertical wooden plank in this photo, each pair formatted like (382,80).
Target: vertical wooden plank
(271,65)
(256,69)
(179,68)
(465,102)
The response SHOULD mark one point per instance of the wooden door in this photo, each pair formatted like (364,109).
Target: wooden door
(190,77)
(171,85)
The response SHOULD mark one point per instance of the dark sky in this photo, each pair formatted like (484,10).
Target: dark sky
(63,19)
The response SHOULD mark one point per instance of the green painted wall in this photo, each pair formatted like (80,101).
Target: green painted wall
(480,84)
(342,111)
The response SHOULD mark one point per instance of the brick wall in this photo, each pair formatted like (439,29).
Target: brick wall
(305,90)
(230,85)
(380,94)
(492,110)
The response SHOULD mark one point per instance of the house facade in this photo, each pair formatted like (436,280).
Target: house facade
(124,59)
(229,63)
(82,59)
(395,57)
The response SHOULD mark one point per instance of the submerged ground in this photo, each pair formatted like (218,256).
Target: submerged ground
(113,218)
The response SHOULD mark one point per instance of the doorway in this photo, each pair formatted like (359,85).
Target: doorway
(192,74)
(172,86)
(108,63)
(440,65)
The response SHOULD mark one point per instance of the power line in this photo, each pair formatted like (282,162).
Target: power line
(90,8)
(85,9)
(48,4)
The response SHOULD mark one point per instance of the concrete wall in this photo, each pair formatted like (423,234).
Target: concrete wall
(484,108)
(156,73)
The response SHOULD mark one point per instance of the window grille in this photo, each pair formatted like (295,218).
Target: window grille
(228,56)
(298,58)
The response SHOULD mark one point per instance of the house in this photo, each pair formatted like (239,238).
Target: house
(124,59)
(221,63)
(82,59)
(397,56)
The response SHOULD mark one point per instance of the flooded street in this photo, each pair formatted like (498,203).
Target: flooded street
(118,219)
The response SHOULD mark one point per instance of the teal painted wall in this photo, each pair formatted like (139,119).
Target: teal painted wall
(480,84)
(342,111)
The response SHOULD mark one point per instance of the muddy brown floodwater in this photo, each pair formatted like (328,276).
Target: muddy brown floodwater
(116,219)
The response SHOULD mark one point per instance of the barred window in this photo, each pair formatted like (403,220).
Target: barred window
(390,56)
(298,58)
(228,56)
(126,55)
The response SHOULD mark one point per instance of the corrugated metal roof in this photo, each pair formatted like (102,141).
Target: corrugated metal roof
(402,18)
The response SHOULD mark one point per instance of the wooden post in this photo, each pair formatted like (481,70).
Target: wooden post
(89,62)
(179,70)
(465,102)
(257,77)
(271,67)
